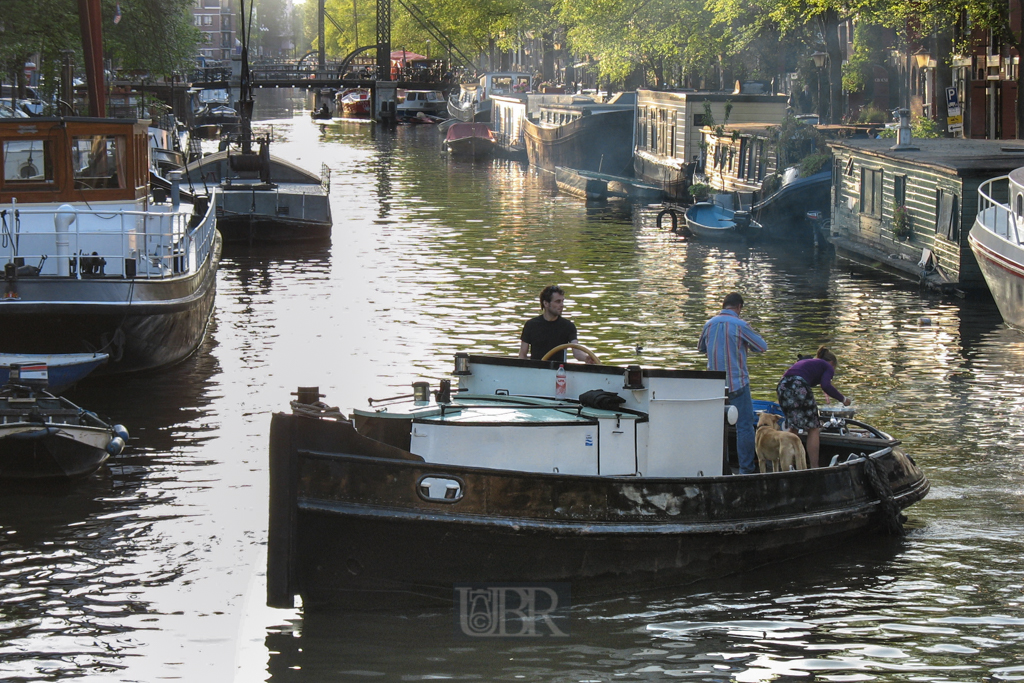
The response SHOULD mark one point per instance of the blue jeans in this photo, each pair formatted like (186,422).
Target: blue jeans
(744,429)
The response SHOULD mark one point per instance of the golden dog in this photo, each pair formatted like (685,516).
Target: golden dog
(783,449)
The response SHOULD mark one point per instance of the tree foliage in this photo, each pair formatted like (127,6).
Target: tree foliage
(152,36)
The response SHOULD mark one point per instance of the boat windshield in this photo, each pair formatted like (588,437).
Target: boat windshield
(99,161)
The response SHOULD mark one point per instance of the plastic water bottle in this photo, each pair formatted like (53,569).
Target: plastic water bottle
(560,382)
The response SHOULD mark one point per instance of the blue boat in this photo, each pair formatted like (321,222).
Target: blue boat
(712,222)
(64,369)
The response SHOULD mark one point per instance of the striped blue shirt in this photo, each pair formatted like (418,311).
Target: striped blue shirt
(726,338)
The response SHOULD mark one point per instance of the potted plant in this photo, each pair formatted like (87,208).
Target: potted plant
(901,229)
(700,192)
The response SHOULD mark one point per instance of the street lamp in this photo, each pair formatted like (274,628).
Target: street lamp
(819,63)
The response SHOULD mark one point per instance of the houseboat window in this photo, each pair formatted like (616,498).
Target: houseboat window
(871,191)
(946,209)
(899,190)
(27,162)
(699,121)
(98,161)
(654,136)
(743,157)
(1020,205)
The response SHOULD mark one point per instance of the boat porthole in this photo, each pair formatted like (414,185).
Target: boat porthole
(440,489)
(354,566)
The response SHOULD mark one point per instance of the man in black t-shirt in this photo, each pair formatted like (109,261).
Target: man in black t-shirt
(550,329)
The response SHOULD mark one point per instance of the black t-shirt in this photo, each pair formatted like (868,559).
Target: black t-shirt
(543,335)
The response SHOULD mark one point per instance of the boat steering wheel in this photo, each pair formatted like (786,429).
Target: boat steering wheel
(581,347)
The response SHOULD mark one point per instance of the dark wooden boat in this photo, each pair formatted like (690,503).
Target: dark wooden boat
(782,214)
(501,482)
(43,436)
(63,369)
(470,140)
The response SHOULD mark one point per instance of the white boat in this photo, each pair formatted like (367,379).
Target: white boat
(92,263)
(430,102)
(997,240)
(623,482)
(473,100)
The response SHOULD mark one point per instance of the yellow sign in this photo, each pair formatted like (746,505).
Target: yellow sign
(954,120)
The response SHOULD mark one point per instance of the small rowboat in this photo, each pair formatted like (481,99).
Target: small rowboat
(470,140)
(47,437)
(712,222)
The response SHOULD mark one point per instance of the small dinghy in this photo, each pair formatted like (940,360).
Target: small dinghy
(47,437)
(710,221)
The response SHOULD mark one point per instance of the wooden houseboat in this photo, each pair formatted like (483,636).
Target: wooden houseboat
(936,182)
(669,127)
(509,113)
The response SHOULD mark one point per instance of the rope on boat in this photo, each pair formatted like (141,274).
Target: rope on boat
(892,522)
(318,410)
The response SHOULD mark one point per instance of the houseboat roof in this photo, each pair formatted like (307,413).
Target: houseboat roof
(962,157)
(708,95)
(744,129)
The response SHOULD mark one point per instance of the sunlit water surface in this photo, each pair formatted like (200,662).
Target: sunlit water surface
(154,568)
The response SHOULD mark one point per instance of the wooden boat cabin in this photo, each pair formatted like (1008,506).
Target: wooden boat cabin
(935,181)
(669,126)
(509,112)
(73,160)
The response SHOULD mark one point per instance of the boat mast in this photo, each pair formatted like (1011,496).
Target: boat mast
(89,21)
(245,102)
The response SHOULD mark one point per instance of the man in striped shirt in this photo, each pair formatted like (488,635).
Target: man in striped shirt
(726,339)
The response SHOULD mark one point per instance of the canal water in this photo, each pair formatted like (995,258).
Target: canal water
(154,569)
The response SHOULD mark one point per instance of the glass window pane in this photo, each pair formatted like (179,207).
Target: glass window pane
(98,161)
(28,161)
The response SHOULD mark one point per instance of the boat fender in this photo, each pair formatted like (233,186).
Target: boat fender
(731,414)
(120,431)
(673,215)
(892,523)
(115,446)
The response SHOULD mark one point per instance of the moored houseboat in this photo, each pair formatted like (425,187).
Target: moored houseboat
(903,209)
(499,480)
(92,262)
(584,135)
(669,125)
(997,240)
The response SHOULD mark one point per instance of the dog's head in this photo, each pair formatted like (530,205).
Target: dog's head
(767,420)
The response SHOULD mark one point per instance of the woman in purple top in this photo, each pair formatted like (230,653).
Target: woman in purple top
(796,396)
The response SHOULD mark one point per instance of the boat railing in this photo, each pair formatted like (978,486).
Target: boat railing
(995,215)
(108,243)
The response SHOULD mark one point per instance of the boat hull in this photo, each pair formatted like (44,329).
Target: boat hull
(52,451)
(1002,265)
(572,182)
(351,527)
(597,142)
(783,213)
(64,370)
(141,324)
(671,177)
